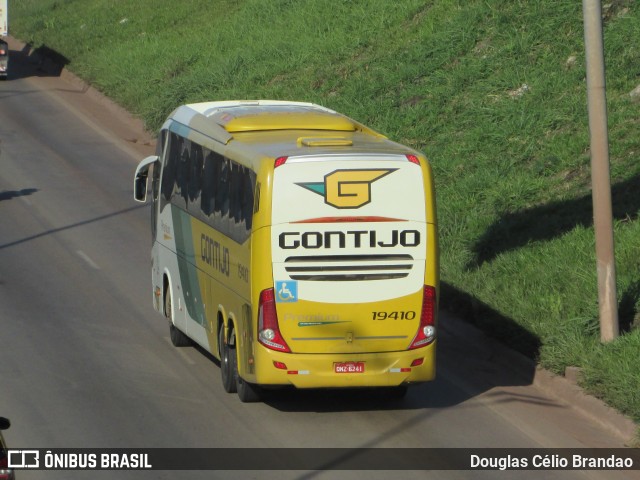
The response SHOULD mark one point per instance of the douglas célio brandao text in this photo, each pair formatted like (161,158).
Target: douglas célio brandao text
(550,462)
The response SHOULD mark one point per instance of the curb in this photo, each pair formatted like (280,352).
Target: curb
(590,406)
(563,388)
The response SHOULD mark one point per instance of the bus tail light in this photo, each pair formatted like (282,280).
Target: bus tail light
(279,161)
(427,330)
(413,159)
(268,329)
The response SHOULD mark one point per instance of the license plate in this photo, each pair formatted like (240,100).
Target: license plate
(349,367)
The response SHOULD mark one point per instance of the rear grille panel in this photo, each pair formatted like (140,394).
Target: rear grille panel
(331,268)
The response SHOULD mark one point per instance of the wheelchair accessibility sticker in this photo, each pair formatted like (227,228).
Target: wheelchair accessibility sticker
(287,291)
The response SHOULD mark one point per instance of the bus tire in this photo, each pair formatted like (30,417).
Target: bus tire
(178,338)
(228,364)
(248,392)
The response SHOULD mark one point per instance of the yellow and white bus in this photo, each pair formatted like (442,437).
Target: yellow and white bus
(294,244)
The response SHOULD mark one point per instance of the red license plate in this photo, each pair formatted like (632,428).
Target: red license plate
(349,367)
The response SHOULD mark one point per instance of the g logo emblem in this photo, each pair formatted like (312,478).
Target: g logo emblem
(347,188)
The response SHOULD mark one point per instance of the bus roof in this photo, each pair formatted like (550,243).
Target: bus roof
(282,128)
(215,118)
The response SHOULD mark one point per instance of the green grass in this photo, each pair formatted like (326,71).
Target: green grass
(492,90)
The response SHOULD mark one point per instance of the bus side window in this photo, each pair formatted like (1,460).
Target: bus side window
(208,183)
(195,179)
(155,181)
(181,194)
(155,176)
(247,198)
(169,169)
(235,195)
(222,191)
(256,200)
(213,188)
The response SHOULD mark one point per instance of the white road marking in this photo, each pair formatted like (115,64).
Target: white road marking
(86,258)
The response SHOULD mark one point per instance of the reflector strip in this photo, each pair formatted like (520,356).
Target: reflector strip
(399,370)
(279,365)
(417,362)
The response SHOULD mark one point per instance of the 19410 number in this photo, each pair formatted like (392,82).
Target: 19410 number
(408,315)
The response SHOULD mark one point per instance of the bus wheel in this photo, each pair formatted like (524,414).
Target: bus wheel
(178,339)
(248,392)
(228,364)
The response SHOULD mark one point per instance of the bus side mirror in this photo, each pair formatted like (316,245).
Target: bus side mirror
(140,179)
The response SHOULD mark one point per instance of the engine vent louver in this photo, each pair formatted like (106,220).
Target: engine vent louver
(330,268)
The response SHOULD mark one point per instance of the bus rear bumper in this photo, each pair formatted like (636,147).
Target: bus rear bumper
(351,370)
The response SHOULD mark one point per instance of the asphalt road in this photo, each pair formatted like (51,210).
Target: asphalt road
(85,361)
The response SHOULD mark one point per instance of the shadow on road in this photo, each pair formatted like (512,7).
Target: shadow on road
(9,194)
(71,226)
(35,62)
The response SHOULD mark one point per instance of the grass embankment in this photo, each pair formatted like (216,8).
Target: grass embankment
(493,91)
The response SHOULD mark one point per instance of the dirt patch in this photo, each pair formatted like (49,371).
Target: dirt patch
(35,65)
